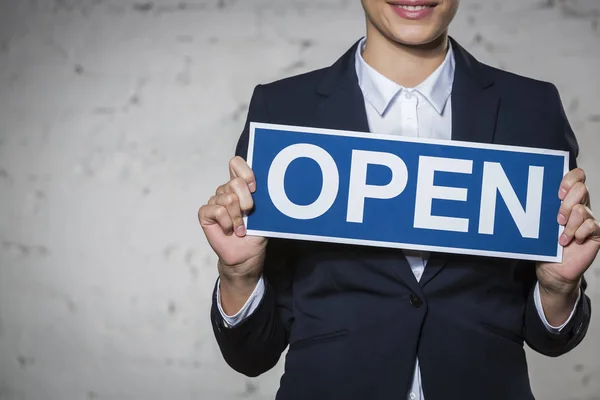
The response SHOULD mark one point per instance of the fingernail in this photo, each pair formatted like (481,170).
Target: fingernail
(562,219)
(252,186)
(241,230)
(563,239)
(562,193)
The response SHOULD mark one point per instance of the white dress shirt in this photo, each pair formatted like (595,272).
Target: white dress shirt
(424,111)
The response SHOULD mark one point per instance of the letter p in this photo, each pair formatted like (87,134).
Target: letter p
(359,190)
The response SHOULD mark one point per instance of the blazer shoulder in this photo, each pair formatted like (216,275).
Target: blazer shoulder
(528,94)
(540,103)
(511,83)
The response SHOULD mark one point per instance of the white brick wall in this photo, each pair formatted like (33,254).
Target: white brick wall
(117,119)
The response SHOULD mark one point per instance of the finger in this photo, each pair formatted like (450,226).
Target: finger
(238,168)
(577,195)
(240,188)
(211,214)
(569,180)
(589,229)
(578,215)
(231,202)
(223,189)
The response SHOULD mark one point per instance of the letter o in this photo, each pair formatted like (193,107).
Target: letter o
(329,189)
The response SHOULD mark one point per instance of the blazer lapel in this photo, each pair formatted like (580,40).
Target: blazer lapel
(343,107)
(474,102)
(475,106)
(342,104)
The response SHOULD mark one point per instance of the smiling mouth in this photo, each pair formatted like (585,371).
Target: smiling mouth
(412,8)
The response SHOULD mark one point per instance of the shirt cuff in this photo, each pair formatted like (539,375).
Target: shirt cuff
(540,309)
(248,308)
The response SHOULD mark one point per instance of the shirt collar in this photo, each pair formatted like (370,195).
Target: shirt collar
(380,91)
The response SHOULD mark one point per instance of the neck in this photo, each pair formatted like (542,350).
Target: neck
(405,65)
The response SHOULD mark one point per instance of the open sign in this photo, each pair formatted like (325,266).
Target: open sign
(391,191)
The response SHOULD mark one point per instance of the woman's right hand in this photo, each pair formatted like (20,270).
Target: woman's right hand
(241,257)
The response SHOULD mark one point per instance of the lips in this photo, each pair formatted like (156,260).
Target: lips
(413,10)
(414,3)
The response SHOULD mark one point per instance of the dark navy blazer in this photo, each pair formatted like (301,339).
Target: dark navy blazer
(355,318)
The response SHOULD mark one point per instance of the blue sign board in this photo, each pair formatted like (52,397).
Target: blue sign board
(409,193)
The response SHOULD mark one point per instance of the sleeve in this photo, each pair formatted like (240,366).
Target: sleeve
(254,345)
(537,299)
(249,307)
(554,343)
(550,342)
(256,342)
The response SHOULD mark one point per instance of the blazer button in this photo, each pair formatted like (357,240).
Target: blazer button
(415,301)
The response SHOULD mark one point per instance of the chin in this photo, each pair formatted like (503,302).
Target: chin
(412,27)
(415,36)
